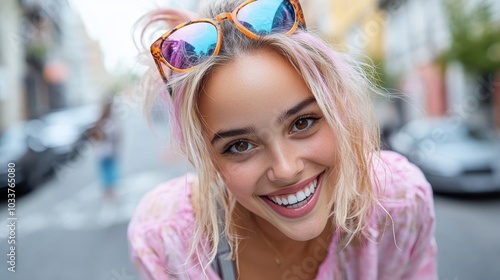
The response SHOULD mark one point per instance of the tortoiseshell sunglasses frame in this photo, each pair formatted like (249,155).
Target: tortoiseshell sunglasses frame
(232,17)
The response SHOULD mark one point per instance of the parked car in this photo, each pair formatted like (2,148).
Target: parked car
(455,157)
(65,129)
(36,147)
(19,146)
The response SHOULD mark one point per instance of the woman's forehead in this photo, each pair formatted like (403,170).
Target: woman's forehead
(250,73)
(253,85)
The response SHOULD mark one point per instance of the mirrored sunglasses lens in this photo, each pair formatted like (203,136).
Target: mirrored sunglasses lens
(266,17)
(190,45)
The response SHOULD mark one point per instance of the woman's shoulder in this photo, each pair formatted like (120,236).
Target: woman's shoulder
(400,181)
(403,191)
(169,204)
(405,237)
(161,229)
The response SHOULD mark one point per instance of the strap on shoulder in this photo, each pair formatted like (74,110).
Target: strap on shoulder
(222,264)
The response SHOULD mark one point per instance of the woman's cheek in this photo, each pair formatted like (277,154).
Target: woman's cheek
(324,148)
(239,178)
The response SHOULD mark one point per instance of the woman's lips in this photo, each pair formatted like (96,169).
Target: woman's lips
(297,201)
(293,189)
(298,196)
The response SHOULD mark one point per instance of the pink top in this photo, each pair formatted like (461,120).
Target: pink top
(159,233)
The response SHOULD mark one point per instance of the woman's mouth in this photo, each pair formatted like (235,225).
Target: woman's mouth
(296,203)
(297,199)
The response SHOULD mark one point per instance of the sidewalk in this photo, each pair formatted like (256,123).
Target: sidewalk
(86,209)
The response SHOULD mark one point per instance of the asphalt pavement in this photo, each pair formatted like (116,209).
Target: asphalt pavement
(468,237)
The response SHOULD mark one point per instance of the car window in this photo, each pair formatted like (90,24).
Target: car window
(12,137)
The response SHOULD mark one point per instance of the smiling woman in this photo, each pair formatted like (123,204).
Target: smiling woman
(266,125)
(290,182)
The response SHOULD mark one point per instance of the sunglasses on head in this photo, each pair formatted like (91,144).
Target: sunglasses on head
(189,44)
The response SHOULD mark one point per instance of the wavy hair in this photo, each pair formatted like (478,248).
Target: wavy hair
(342,91)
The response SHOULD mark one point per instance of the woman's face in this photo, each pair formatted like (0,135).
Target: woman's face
(271,143)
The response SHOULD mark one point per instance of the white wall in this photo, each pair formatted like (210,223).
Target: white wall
(11,63)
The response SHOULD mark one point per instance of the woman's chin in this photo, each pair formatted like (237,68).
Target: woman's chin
(305,230)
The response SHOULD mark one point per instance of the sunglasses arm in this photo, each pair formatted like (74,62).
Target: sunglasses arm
(300,13)
(158,58)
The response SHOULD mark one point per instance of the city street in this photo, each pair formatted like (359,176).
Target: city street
(66,232)
(468,236)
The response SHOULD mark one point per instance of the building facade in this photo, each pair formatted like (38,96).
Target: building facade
(47,60)
(11,64)
(417,35)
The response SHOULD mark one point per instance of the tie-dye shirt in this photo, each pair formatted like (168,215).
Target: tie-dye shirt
(161,229)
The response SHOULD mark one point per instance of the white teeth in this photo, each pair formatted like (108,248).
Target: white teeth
(284,201)
(300,204)
(312,188)
(301,196)
(308,192)
(295,200)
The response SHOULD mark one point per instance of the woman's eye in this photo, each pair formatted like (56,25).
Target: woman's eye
(303,124)
(239,147)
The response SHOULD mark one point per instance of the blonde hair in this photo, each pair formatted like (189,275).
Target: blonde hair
(342,91)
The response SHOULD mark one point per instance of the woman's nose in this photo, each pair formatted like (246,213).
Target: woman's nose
(286,164)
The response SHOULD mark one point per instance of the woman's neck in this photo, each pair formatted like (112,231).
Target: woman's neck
(264,252)
(254,227)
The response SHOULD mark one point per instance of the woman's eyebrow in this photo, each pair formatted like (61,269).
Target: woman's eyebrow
(231,133)
(295,109)
(247,130)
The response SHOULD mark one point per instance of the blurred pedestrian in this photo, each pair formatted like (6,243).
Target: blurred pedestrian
(290,181)
(106,135)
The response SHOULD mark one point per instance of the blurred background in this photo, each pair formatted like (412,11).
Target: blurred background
(71,120)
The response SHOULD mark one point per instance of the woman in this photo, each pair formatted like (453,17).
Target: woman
(290,182)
